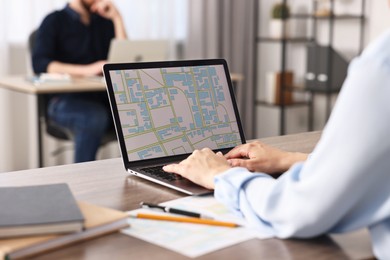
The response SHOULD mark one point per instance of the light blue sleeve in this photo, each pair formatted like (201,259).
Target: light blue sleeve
(345,184)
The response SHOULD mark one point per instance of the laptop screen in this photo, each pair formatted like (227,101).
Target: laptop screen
(174,110)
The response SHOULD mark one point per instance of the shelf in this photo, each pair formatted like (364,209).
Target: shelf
(295,89)
(327,17)
(290,40)
(301,16)
(313,19)
(322,91)
(295,104)
(340,17)
(301,88)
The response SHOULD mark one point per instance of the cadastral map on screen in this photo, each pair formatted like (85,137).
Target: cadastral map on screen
(170,111)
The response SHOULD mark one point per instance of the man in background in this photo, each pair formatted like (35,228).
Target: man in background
(76,40)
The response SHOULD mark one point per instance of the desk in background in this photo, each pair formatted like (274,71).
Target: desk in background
(106,183)
(20,84)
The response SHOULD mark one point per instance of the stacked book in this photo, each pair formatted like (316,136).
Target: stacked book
(34,219)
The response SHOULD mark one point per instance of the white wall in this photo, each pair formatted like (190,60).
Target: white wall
(378,18)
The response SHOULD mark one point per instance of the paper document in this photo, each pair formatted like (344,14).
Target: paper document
(50,79)
(191,240)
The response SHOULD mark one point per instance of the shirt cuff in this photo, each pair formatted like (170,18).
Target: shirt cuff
(229,184)
(231,188)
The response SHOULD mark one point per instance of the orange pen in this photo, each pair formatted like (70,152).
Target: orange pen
(185,219)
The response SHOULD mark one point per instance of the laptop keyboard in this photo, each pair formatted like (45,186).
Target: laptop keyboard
(158,172)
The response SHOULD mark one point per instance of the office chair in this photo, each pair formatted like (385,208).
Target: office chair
(51,127)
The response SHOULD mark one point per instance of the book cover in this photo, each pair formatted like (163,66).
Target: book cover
(41,209)
(98,221)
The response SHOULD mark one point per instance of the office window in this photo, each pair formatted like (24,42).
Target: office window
(146,19)
(24,16)
(155,19)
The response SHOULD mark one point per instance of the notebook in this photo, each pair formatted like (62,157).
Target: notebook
(41,209)
(123,50)
(163,111)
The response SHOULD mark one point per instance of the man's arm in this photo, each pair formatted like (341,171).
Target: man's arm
(120,31)
(44,58)
(44,53)
(43,48)
(76,69)
(108,10)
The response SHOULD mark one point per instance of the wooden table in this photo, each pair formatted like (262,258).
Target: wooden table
(106,183)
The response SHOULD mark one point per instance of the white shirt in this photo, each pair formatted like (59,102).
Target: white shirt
(345,183)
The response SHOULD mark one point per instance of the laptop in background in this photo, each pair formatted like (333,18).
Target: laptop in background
(137,51)
(163,111)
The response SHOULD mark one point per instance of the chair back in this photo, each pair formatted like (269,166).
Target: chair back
(52,128)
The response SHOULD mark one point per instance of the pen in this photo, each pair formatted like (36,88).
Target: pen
(173,210)
(185,219)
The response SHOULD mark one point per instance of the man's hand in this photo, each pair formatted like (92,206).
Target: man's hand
(200,167)
(94,69)
(258,157)
(106,9)
(76,70)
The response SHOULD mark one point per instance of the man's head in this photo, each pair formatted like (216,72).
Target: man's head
(85,8)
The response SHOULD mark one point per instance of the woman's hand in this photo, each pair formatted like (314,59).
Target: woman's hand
(200,167)
(259,157)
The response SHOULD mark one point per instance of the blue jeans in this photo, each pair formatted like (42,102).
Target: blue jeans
(87,116)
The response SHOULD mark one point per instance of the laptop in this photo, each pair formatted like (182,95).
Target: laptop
(123,50)
(163,111)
